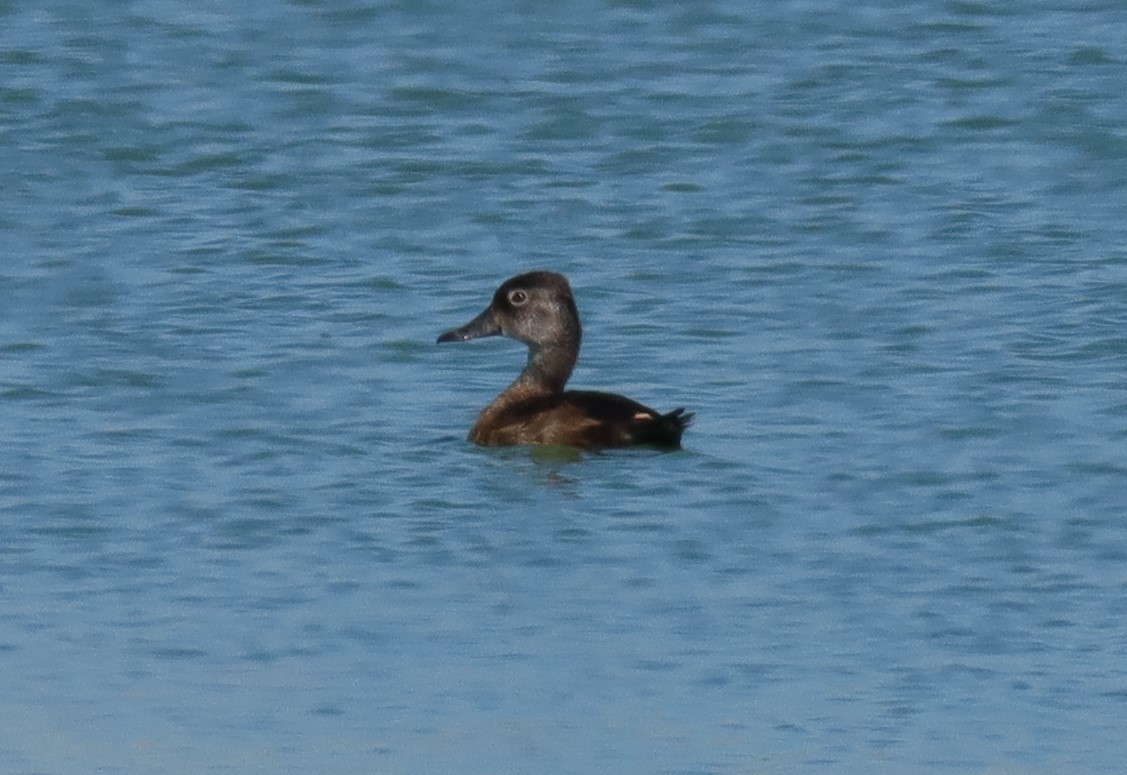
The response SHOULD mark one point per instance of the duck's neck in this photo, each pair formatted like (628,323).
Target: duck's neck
(547,370)
(545,374)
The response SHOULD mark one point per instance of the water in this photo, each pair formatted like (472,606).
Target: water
(878,249)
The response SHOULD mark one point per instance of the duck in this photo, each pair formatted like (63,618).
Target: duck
(538,309)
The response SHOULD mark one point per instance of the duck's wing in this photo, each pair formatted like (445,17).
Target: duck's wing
(586,419)
(624,422)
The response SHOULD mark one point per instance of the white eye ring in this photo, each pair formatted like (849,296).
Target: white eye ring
(518,298)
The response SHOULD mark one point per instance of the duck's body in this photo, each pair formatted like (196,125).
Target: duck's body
(538,309)
(576,418)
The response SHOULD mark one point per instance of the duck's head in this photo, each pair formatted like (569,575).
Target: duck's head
(536,308)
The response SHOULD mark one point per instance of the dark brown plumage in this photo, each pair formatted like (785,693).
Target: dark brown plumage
(538,309)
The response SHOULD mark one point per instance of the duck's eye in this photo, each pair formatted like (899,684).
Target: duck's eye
(518,298)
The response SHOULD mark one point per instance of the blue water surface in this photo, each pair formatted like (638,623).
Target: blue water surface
(878,248)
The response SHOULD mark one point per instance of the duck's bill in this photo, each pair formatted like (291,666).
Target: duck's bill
(482,325)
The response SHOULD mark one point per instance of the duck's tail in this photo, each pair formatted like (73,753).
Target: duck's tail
(679,416)
(665,430)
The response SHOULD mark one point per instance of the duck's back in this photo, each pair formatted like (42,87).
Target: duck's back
(586,419)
